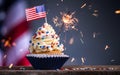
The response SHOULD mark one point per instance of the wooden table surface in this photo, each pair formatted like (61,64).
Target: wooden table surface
(66,70)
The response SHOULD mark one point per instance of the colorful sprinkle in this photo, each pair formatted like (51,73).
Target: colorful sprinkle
(32,44)
(30,41)
(38,43)
(47,32)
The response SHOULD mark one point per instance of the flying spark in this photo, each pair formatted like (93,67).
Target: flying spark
(57,4)
(117,12)
(106,47)
(94,35)
(61,0)
(95,14)
(13,44)
(83,5)
(4,56)
(71,41)
(83,60)
(112,60)
(81,41)
(95,11)
(81,34)
(11,65)
(73,59)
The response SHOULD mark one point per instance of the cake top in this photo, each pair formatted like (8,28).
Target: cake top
(45,40)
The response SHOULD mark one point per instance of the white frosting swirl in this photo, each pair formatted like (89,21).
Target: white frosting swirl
(45,39)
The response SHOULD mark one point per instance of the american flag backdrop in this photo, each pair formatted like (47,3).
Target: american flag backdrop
(16,32)
(35,13)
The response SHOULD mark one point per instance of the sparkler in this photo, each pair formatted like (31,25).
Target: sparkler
(67,21)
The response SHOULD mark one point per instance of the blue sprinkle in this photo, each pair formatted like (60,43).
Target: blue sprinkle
(47,32)
(43,37)
(38,43)
(32,44)
(30,41)
(42,46)
(40,28)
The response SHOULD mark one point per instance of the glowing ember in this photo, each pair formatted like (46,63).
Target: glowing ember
(3,40)
(57,4)
(61,0)
(117,12)
(106,47)
(83,5)
(7,44)
(95,14)
(4,56)
(81,34)
(14,44)
(94,35)
(11,65)
(83,60)
(112,60)
(72,60)
(81,41)
(71,41)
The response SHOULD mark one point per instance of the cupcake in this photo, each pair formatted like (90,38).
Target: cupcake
(46,51)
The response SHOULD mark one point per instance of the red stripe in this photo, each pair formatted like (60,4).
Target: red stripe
(18,30)
(23,61)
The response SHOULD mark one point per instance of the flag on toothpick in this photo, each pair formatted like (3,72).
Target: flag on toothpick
(35,13)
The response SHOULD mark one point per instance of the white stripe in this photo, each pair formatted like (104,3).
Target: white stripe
(15,16)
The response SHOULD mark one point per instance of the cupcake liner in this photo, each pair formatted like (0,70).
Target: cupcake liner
(47,62)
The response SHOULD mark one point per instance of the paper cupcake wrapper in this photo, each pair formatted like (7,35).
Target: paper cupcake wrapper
(47,62)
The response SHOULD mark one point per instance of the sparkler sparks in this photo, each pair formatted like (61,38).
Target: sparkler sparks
(67,20)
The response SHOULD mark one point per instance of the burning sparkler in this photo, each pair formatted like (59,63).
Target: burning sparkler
(67,21)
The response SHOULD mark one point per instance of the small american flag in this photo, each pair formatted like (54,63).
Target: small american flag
(35,13)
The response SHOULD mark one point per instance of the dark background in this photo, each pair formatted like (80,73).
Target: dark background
(105,26)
